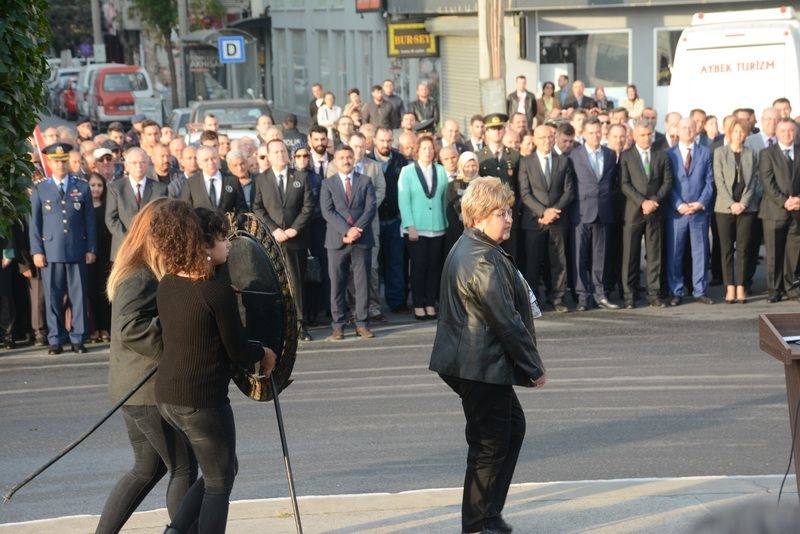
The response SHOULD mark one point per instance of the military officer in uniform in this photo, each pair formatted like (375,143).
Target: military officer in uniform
(63,240)
(502,162)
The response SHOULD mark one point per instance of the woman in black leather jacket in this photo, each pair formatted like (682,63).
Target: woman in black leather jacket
(485,344)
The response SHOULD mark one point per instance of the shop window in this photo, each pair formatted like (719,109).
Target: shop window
(666,43)
(594,58)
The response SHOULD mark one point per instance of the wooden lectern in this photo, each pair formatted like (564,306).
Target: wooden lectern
(773,329)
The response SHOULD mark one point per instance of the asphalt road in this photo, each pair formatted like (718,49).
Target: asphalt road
(640,393)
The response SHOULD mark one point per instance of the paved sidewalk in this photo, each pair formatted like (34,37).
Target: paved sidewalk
(655,506)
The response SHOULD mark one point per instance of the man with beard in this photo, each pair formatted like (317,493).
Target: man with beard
(391,243)
(162,168)
(318,141)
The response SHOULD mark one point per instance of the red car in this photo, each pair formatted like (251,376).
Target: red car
(67,105)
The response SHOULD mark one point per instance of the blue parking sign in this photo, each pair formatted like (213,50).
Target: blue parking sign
(231,49)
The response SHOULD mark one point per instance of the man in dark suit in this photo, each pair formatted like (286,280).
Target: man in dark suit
(578,100)
(63,239)
(126,197)
(521,101)
(592,212)
(348,206)
(646,179)
(688,213)
(284,203)
(546,183)
(315,103)
(211,189)
(779,170)
(476,130)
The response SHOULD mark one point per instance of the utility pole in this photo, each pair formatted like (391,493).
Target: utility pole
(98,46)
(183,31)
(491,54)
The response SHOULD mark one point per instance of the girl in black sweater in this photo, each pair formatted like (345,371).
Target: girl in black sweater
(202,336)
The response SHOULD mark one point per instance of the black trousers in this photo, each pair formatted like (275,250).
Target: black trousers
(425,256)
(782,243)
(735,232)
(652,228)
(547,246)
(494,431)
(296,261)
(157,448)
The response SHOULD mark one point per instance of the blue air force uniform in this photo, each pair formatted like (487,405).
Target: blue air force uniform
(63,229)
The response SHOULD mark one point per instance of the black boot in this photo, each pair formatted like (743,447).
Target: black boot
(171,530)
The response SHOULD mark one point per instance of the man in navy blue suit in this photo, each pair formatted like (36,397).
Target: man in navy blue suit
(688,212)
(63,240)
(348,204)
(592,212)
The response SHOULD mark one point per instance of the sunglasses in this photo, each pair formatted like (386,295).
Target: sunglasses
(305,156)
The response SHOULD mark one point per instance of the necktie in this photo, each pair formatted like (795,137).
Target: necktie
(347,193)
(62,189)
(688,163)
(138,195)
(770,142)
(788,154)
(646,161)
(498,155)
(212,192)
(280,186)
(547,171)
(596,164)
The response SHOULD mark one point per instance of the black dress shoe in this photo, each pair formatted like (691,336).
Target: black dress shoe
(431,317)
(303,335)
(40,342)
(606,304)
(675,301)
(559,307)
(773,299)
(499,524)
(704,299)
(78,348)
(657,303)
(8,343)
(582,307)
(378,318)
(55,349)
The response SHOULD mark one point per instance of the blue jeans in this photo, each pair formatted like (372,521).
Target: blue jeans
(157,448)
(211,433)
(391,262)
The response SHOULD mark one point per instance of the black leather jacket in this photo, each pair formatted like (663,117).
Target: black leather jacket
(485,331)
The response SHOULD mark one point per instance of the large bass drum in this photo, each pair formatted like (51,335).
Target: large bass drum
(257,272)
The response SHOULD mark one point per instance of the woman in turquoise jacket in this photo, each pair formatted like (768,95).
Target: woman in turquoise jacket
(421,195)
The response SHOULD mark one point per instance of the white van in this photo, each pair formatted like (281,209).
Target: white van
(85,81)
(737,59)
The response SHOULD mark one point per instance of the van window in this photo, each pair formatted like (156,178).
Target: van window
(125,81)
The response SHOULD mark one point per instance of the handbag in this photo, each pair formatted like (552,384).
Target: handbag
(313,269)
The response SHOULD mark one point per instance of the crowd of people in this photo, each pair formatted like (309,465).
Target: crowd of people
(370,198)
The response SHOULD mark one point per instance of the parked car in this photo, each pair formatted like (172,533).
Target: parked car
(85,80)
(113,94)
(178,120)
(57,86)
(67,106)
(241,114)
